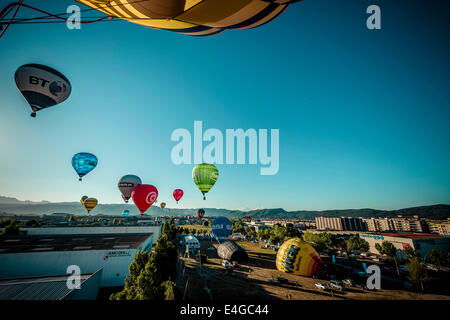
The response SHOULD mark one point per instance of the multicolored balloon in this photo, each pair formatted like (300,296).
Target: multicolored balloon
(83,198)
(200,213)
(205,176)
(83,163)
(42,86)
(126,185)
(126,213)
(193,17)
(90,203)
(163,205)
(144,195)
(297,257)
(177,194)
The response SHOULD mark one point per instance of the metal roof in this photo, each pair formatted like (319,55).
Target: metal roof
(37,288)
(47,243)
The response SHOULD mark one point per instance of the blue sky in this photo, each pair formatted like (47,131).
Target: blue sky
(363,115)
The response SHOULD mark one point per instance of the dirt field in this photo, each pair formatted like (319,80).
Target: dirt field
(252,281)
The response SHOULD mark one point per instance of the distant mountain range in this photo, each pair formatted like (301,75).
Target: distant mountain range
(13,205)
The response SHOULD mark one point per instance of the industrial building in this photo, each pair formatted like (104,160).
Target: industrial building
(421,242)
(50,287)
(49,251)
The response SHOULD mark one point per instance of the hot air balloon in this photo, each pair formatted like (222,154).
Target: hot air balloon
(205,176)
(200,213)
(126,185)
(193,17)
(41,86)
(90,203)
(177,194)
(297,257)
(83,163)
(163,205)
(126,213)
(83,198)
(144,195)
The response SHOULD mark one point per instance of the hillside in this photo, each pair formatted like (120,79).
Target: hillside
(13,205)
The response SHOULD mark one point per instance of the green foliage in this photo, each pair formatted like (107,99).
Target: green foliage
(169,290)
(388,249)
(12,229)
(150,274)
(411,253)
(4,223)
(417,273)
(439,258)
(207,223)
(320,241)
(238,227)
(32,223)
(356,243)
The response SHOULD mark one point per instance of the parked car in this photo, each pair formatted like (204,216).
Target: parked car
(322,286)
(349,282)
(226,263)
(337,285)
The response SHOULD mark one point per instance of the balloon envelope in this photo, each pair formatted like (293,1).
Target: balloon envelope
(205,176)
(126,212)
(90,203)
(163,205)
(221,228)
(200,213)
(126,185)
(42,86)
(177,194)
(198,18)
(144,195)
(83,163)
(298,257)
(83,198)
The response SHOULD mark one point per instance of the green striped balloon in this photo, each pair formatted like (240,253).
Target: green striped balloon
(205,176)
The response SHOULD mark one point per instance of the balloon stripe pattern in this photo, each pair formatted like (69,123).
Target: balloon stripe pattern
(297,257)
(193,17)
(90,203)
(205,176)
(83,163)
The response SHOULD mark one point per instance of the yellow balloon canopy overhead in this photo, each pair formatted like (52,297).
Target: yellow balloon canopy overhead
(193,17)
(90,203)
(297,257)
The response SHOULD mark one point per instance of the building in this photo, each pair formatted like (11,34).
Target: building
(442,228)
(399,223)
(50,251)
(421,242)
(340,224)
(50,287)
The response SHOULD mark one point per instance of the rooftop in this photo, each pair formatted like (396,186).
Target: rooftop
(409,235)
(70,242)
(38,288)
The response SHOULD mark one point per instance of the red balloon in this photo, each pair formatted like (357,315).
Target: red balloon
(144,195)
(177,194)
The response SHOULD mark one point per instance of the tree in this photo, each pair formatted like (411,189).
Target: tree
(389,249)
(207,223)
(169,290)
(32,223)
(439,258)
(12,229)
(417,271)
(411,253)
(72,218)
(150,274)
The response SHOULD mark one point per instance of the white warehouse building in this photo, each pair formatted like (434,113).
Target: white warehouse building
(50,251)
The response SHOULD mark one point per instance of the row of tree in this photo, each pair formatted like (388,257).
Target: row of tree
(152,274)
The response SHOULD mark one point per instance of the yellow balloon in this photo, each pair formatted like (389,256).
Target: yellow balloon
(193,17)
(297,257)
(90,203)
